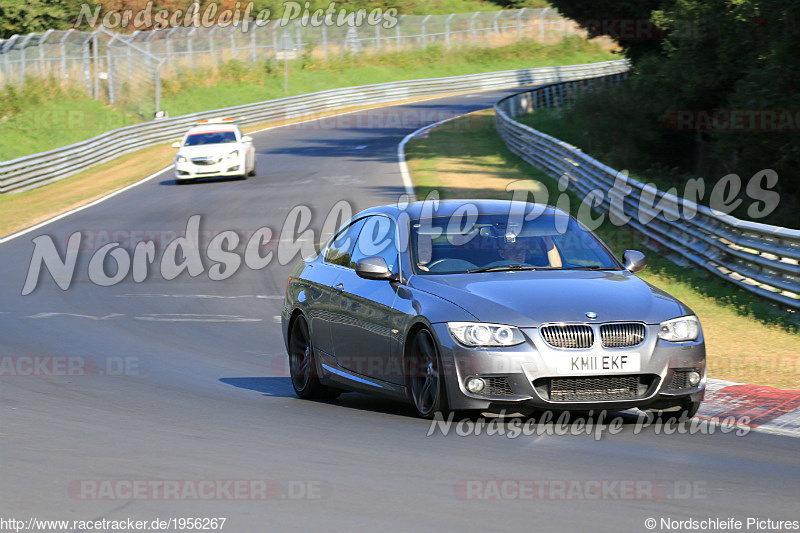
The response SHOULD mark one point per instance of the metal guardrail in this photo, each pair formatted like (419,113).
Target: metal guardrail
(761,258)
(35,170)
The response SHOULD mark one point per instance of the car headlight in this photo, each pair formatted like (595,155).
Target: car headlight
(480,334)
(181,159)
(685,328)
(233,155)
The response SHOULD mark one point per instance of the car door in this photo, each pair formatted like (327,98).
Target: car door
(361,309)
(336,258)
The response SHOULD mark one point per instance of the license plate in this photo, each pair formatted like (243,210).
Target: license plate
(599,364)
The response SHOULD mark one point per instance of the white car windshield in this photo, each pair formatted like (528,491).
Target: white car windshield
(211,137)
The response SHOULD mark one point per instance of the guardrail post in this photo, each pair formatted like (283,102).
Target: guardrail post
(254,54)
(110,73)
(299,39)
(158,88)
(397,32)
(325,41)
(472,31)
(96,64)
(543,24)
(190,48)
(64,53)
(22,56)
(211,48)
(40,45)
(4,49)
(447,29)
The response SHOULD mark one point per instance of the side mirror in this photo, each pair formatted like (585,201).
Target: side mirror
(176,144)
(634,261)
(374,268)
(247,139)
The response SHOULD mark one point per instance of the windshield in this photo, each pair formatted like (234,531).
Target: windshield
(211,137)
(488,242)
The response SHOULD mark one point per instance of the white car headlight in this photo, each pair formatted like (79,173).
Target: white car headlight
(481,334)
(181,159)
(685,328)
(233,155)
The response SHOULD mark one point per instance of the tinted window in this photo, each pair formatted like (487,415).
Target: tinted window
(340,251)
(377,238)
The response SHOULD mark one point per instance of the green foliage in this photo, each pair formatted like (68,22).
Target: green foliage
(714,55)
(28,16)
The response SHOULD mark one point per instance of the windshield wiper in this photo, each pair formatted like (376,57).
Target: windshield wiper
(593,267)
(501,268)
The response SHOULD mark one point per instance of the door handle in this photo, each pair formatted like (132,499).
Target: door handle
(339,287)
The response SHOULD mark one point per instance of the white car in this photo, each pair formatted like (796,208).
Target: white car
(214,148)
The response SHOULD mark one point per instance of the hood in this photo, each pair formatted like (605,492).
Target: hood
(531,298)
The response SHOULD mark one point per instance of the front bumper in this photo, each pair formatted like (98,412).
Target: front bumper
(225,168)
(532,375)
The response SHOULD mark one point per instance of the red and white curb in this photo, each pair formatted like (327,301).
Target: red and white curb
(770,410)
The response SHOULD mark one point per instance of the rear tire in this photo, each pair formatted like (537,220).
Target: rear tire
(424,377)
(302,364)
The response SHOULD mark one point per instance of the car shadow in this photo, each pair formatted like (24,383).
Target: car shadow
(199,181)
(269,386)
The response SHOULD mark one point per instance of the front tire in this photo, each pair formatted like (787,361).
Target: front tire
(424,377)
(302,364)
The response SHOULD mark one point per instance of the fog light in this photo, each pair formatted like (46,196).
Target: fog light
(475,385)
(694,378)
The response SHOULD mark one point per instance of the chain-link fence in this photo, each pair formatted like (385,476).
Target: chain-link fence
(126,69)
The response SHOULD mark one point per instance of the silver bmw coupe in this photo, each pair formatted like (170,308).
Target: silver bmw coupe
(479,305)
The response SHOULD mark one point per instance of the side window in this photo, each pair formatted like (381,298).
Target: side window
(340,251)
(378,238)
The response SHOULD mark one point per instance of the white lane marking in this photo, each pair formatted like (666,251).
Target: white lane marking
(276,319)
(360,147)
(90,317)
(20,233)
(211,296)
(148,178)
(177,317)
(401,155)
(342,180)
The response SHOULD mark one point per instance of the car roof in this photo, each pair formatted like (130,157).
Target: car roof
(448,207)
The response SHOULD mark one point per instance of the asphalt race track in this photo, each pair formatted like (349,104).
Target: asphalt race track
(188,384)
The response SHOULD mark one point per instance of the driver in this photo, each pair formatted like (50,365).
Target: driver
(514,251)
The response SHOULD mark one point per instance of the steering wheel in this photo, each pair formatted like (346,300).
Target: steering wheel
(450,264)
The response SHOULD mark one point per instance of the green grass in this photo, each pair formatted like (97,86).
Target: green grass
(44,116)
(748,339)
